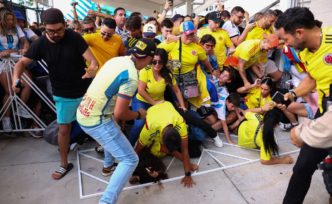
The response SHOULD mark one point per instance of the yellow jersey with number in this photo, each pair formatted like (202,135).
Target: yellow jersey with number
(319,64)
(223,42)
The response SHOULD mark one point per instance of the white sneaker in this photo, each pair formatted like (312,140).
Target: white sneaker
(22,112)
(36,134)
(218,142)
(6,124)
(285,126)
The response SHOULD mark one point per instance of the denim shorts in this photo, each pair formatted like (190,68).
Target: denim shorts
(309,111)
(66,109)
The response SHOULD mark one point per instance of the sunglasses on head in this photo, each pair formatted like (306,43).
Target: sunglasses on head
(155,62)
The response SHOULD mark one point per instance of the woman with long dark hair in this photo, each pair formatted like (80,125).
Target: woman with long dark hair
(258,132)
(151,88)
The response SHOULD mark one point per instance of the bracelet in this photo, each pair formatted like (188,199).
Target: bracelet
(187,173)
(138,115)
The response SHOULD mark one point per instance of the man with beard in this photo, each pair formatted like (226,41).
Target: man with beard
(65,53)
(232,26)
(298,28)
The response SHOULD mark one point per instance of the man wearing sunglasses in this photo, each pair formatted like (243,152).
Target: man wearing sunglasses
(88,25)
(105,44)
(65,53)
(232,25)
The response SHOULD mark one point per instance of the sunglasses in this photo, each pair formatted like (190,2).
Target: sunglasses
(106,34)
(155,62)
(88,30)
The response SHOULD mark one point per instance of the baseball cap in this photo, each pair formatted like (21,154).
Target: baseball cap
(176,17)
(143,48)
(19,15)
(187,27)
(272,39)
(149,30)
(215,16)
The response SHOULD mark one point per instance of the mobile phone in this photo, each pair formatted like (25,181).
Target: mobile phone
(279,99)
(193,15)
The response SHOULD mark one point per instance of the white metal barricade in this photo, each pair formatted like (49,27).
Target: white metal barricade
(14,102)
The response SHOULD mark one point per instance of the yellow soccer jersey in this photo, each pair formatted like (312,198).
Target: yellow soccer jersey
(117,78)
(155,89)
(158,117)
(249,51)
(104,50)
(222,42)
(191,54)
(319,64)
(246,134)
(254,98)
(257,33)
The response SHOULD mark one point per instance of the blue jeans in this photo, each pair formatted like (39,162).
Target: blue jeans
(138,124)
(116,146)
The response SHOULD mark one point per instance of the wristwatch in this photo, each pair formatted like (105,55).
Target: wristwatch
(187,173)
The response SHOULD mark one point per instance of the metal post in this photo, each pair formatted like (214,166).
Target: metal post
(189,7)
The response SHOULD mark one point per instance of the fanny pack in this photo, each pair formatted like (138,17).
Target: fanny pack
(188,82)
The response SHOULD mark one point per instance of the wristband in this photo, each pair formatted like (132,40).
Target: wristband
(138,115)
(187,173)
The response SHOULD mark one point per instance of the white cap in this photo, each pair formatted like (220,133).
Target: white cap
(149,30)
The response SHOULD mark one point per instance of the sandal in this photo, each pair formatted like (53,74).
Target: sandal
(61,171)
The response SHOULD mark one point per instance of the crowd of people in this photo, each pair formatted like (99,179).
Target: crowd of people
(179,81)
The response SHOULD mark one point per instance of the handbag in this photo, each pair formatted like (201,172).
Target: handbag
(188,82)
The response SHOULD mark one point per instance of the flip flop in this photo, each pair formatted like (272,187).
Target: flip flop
(61,171)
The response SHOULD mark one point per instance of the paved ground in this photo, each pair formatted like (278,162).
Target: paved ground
(226,175)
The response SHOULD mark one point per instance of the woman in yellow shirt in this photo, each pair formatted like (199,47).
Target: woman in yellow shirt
(151,88)
(259,95)
(184,55)
(256,132)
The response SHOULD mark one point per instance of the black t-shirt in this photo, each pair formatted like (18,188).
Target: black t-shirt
(65,63)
